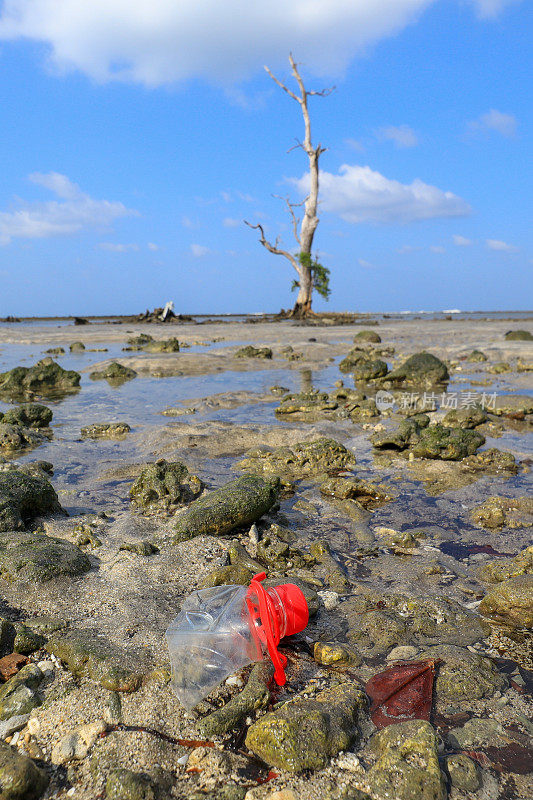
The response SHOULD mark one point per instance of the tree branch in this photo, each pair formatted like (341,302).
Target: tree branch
(273,248)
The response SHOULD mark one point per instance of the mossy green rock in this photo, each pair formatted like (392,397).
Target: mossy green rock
(115,374)
(106,430)
(378,622)
(408,766)
(163,346)
(26,639)
(306,403)
(36,557)
(20,778)
(24,496)
(420,369)
(367,336)
(123,784)
(165,483)
(366,493)
(237,503)
(317,457)
(406,434)
(46,378)
(350,361)
(77,347)
(465,417)
(519,336)
(29,415)
(17,695)
(369,370)
(255,694)
(253,352)
(15,437)
(510,602)
(305,734)
(90,655)
(463,773)
(447,444)
(476,356)
(463,675)
(512,512)
(502,569)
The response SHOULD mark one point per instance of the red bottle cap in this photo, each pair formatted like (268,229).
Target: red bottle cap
(276,612)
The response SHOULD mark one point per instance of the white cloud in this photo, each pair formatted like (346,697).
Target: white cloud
(407,248)
(229,222)
(359,194)
(159,41)
(402,135)
(198,250)
(153,246)
(437,249)
(461,241)
(494,120)
(365,264)
(502,247)
(73,212)
(355,144)
(117,248)
(488,9)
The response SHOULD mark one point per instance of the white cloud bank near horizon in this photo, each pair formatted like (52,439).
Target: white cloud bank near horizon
(154,42)
(73,212)
(360,194)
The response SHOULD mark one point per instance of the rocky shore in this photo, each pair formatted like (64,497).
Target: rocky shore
(385,471)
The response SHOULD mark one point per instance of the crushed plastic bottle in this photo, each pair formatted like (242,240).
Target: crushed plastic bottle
(221,630)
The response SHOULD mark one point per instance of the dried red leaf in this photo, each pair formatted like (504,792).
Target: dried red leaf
(402,692)
(11,664)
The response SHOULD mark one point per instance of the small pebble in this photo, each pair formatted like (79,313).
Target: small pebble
(235,680)
(348,761)
(330,599)
(34,726)
(402,653)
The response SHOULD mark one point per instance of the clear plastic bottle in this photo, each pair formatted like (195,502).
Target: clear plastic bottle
(223,629)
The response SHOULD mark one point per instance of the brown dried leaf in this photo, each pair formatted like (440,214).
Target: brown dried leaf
(10,665)
(402,692)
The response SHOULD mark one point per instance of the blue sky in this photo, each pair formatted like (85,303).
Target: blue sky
(136,138)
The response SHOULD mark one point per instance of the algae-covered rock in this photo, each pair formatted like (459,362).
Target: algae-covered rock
(162,346)
(510,602)
(519,336)
(463,773)
(237,503)
(15,437)
(77,347)
(138,342)
(367,493)
(369,370)
(408,763)
(479,732)
(55,351)
(105,430)
(17,695)
(20,778)
(367,336)
(255,695)
(378,622)
(165,484)
(511,512)
(406,434)
(491,460)
(305,734)
(329,569)
(304,458)
(476,356)
(350,361)
(502,569)
(36,557)
(24,496)
(29,415)
(115,374)
(253,352)
(87,654)
(448,444)
(45,378)
(420,369)
(469,417)
(306,403)
(463,675)
(123,784)
(143,548)
(335,654)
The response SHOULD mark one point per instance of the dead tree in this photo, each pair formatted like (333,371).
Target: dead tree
(311,274)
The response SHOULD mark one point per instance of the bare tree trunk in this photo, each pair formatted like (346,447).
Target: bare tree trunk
(304,237)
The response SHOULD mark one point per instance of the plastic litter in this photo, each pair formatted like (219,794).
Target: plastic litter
(223,629)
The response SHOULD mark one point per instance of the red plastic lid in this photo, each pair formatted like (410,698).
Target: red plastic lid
(276,612)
